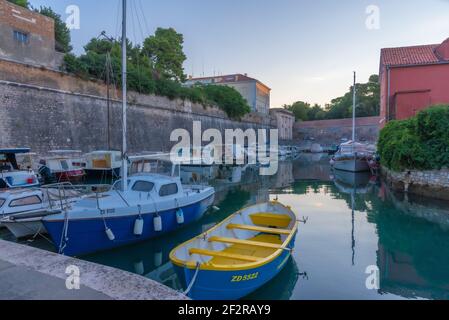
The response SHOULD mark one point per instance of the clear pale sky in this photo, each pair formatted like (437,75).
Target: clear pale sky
(302,49)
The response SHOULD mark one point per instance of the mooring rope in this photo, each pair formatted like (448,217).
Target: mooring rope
(192,282)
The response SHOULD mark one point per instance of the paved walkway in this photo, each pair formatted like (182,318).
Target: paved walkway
(32,274)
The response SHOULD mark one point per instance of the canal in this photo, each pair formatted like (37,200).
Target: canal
(355,229)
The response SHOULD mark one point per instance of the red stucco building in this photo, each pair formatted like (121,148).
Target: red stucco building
(412,79)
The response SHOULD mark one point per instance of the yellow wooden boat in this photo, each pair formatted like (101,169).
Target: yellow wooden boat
(239,255)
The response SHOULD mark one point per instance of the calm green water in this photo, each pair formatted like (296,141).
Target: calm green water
(353,222)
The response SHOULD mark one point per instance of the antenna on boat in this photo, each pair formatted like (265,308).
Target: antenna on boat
(124,128)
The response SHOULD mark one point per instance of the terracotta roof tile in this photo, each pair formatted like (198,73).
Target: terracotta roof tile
(416,55)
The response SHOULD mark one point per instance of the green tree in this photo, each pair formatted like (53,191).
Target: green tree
(316,113)
(22,3)
(165,51)
(368,104)
(62,32)
(368,101)
(300,109)
(143,76)
(228,99)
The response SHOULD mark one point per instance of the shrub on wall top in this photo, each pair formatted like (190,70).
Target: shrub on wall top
(420,143)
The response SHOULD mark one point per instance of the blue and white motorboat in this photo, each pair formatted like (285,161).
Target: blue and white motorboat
(152,206)
(12,174)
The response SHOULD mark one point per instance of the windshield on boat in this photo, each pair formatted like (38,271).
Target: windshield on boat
(2,201)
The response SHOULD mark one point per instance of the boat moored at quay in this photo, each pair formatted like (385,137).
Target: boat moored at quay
(12,174)
(152,206)
(239,255)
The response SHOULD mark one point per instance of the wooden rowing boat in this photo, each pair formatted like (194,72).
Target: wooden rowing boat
(239,255)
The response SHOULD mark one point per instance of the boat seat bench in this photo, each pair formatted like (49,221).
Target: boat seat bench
(259,229)
(267,219)
(233,256)
(245,242)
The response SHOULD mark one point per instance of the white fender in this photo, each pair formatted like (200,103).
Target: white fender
(138,227)
(157,221)
(180,216)
(110,234)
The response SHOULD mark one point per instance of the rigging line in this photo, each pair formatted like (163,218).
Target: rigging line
(117,20)
(134,11)
(139,24)
(144,18)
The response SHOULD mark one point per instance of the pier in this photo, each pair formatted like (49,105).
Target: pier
(32,274)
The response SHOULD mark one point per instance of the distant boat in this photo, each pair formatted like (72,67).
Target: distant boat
(103,163)
(62,166)
(239,255)
(12,175)
(316,148)
(352,156)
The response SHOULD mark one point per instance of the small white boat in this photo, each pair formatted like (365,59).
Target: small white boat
(283,151)
(353,156)
(21,201)
(62,166)
(22,210)
(12,174)
(316,148)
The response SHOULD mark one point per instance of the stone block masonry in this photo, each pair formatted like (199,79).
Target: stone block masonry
(430,184)
(328,132)
(46,119)
(46,109)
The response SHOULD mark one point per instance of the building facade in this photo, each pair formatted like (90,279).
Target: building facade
(255,92)
(412,79)
(26,36)
(284,120)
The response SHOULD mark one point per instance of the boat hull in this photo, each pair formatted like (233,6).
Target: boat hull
(70,176)
(231,285)
(25,229)
(352,165)
(87,236)
(98,173)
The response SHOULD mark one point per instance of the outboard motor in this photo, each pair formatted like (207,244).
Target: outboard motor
(46,174)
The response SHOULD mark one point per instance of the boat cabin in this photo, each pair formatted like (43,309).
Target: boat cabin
(17,201)
(15,174)
(103,160)
(161,185)
(62,166)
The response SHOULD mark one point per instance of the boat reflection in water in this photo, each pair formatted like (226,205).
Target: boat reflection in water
(353,183)
(282,287)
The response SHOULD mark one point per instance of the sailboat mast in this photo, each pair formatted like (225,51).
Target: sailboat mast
(124,98)
(353,107)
